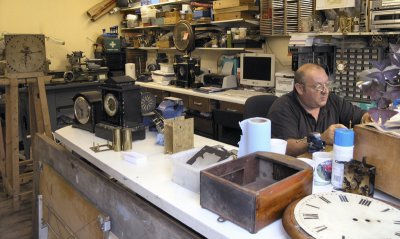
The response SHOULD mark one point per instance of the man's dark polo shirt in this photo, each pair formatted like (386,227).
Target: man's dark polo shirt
(291,121)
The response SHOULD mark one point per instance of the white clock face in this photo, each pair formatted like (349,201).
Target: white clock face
(110,104)
(25,53)
(82,110)
(345,215)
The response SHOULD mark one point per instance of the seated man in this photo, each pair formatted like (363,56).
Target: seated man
(310,108)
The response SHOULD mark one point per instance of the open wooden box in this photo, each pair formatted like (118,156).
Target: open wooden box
(254,190)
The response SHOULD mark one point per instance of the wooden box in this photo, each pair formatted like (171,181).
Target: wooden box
(233,15)
(231,3)
(172,20)
(383,152)
(254,190)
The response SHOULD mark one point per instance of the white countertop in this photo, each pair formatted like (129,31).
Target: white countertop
(215,95)
(153,182)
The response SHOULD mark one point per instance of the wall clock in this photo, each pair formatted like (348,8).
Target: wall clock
(25,53)
(341,215)
(87,110)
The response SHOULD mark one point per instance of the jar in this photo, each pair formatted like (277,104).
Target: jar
(242,33)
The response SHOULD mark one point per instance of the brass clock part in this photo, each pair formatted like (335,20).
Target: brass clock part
(341,215)
(25,53)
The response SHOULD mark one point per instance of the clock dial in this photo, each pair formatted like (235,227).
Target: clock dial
(110,104)
(82,110)
(346,215)
(25,53)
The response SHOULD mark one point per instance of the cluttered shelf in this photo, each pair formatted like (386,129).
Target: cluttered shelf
(198,48)
(228,23)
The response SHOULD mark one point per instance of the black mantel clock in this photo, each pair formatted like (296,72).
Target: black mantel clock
(121,101)
(87,110)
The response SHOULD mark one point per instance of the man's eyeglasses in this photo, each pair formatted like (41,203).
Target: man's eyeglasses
(321,87)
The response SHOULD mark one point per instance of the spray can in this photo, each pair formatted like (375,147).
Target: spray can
(343,148)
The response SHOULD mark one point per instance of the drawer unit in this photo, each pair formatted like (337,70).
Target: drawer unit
(185,98)
(201,104)
(232,107)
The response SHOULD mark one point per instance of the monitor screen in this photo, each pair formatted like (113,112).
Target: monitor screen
(257,69)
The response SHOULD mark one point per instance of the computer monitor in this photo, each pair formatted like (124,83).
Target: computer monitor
(257,69)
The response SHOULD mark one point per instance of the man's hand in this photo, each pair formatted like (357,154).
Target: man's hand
(366,118)
(329,133)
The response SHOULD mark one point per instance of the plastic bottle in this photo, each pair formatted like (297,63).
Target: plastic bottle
(228,39)
(343,148)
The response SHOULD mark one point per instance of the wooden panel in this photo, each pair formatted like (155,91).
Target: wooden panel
(382,151)
(233,107)
(65,210)
(131,216)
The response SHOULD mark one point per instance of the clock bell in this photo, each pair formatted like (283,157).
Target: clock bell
(87,110)
(121,101)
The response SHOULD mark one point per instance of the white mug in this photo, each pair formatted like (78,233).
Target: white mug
(322,167)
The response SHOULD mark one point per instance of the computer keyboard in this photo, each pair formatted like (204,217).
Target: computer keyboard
(243,93)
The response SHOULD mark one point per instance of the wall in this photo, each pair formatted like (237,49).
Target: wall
(279,47)
(65,20)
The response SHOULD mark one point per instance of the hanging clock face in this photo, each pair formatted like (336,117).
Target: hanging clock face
(341,67)
(110,104)
(184,37)
(82,110)
(25,53)
(346,215)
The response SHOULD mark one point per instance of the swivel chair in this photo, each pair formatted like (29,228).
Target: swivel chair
(258,106)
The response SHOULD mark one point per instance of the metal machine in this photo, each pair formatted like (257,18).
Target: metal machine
(84,70)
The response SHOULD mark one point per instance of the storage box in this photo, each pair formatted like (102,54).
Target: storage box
(254,190)
(248,7)
(172,20)
(186,175)
(233,15)
(382,151)
(231,3)
(164,44)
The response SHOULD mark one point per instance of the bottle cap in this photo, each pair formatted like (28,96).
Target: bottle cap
(344,137)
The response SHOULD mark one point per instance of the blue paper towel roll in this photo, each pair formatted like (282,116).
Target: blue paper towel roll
(256,135)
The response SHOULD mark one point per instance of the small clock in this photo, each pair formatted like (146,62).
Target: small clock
(87,110)
(25,53)
(341,215)
(110,104)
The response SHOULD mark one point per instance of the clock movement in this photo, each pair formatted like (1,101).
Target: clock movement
(87,110)
(121,101)
(25,53)
(341,215)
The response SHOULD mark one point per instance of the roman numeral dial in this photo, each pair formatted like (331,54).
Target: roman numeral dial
(345,215)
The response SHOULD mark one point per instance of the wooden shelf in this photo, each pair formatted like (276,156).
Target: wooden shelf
(157,4)
(239,49)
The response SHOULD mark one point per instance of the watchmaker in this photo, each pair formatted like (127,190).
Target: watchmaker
(311,108)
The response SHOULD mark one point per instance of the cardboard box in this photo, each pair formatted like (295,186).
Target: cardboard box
(382,151)
(251,8)
(253,191)
(164,44)
(231,3)
(233,15)
(172,20)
